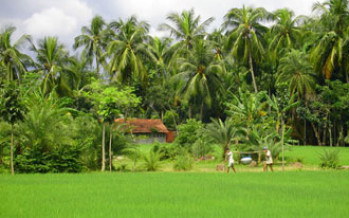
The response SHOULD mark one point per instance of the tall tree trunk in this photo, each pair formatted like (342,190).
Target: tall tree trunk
(202,111)
(97,66)
(316,134)
(103,149)
(324,135)
(334,132)
(330,135)
(305,132)
(251,68)
(110,152)
(11,158)
(282,144)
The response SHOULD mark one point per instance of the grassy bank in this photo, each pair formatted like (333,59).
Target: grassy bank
(290,194)
(308,155)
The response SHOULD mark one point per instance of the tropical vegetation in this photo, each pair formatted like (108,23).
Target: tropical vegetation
(245,85)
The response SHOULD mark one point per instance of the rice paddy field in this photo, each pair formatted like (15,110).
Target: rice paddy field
(202,192)
(278,194)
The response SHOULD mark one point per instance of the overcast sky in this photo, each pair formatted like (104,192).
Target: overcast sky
(64,18)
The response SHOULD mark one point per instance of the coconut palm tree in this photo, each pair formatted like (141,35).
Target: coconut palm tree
(284,32)
(161,54)
(94,40)
(51,57)
(327,55)
(186,27)
(201,75)
(79,72)
(126,51)
(247,31)
(12,61)
(218,40)
(297,72)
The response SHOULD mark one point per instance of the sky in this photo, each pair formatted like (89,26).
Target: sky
(64,18)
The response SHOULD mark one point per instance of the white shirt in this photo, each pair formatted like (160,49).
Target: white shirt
(268,158)
(230,157)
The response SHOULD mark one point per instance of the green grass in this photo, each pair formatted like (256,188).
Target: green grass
(290,194)
(310,154)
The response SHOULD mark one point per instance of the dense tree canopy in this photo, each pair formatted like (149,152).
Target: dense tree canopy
(237,80)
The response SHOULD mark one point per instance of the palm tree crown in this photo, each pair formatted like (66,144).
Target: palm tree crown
(93,39)
(127,50)
(296,71)
(247,31)
(186,27)
(12,61)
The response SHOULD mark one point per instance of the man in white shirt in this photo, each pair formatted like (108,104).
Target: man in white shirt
(229,156)
(268,159)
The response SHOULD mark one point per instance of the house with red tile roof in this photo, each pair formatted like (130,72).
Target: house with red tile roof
(146,130)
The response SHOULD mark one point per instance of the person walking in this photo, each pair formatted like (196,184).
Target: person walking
(268,160)
(229,156)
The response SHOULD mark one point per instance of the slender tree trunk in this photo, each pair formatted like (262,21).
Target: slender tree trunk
(202,111)
(330,135)
(110,152)
(334,132)
(305,132)
(97,66)
(282,144)
(316,134)
(341,136)
(103,149)
(324,135)
(11,158)
(251,68)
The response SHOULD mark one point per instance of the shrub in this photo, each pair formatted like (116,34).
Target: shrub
(183,161)
(188,133)
(164,150)
(152,160)
(202,145)
(64,159)
(329,159)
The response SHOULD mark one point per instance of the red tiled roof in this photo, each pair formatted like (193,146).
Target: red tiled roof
(144,125)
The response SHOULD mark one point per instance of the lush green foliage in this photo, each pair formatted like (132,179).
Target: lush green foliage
(329,159)
(152,160)
(183,161)
(250,85)
(188,133)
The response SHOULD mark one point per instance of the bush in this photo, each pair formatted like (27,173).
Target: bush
(188,133)
(329,159)
(65,159)
(164,150)
(183,161)
(152,160)
(202,146)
